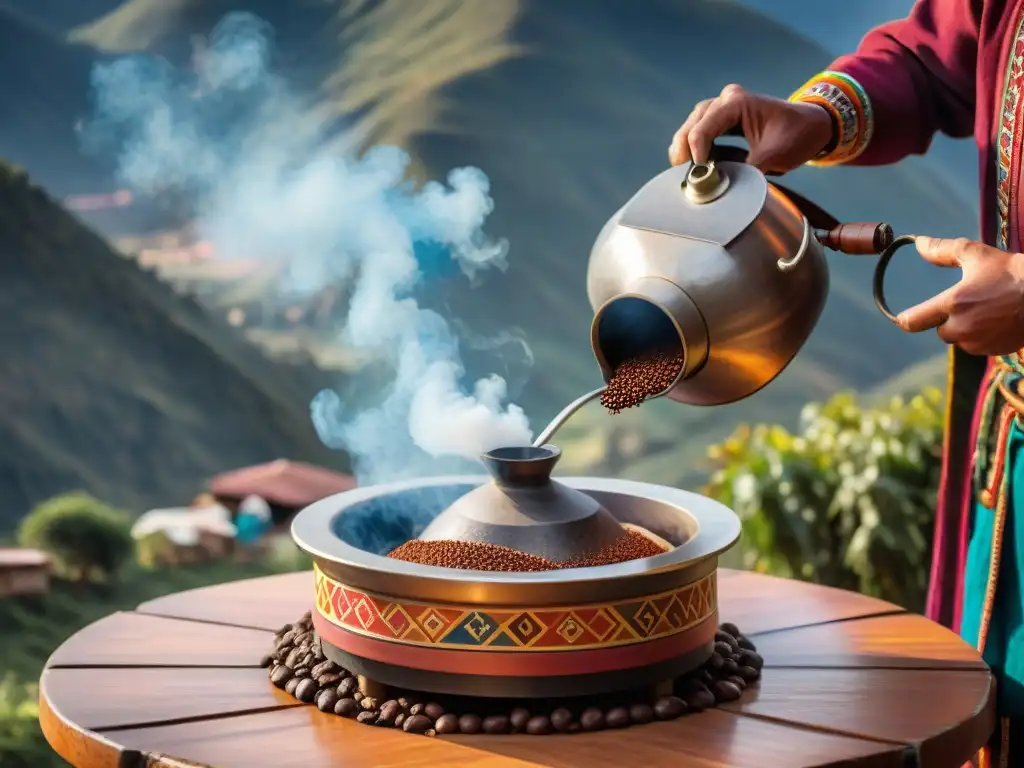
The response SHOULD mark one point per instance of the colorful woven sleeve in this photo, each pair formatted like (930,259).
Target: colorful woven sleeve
(850,108)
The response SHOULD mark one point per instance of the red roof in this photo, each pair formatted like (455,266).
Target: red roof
(282,482)
(17,557)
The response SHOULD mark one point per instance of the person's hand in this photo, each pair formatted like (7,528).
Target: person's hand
(782,135)
(983,314)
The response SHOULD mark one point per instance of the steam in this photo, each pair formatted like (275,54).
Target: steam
(242,147)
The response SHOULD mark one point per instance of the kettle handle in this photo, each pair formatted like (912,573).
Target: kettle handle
(880,268)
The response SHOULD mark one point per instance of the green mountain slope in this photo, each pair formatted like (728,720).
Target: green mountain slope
(114,384)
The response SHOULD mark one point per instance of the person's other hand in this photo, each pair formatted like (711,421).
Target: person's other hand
(782,135)
(983,314)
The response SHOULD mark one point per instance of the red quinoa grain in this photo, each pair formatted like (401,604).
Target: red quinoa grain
(638,378)
(480,556)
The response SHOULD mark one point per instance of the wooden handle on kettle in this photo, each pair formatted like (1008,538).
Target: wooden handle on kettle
(857,239)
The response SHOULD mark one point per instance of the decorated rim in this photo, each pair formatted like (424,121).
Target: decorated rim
(513,629)
(711,528)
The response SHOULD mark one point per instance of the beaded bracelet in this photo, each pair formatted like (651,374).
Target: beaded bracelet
(848,104)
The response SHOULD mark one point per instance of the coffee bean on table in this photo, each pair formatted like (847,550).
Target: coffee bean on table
(405,702)
(495,724)
(561,719)
(725,637)
(327,678)
(266,660)
(730,667)
(641,714)
(730,629)
(346,707)
(738,681)
(518,718)
(700,700)
(538,725)
(669,707)
(326,667)
(292,659)
(281,675)
(715,661)
(291,685)
(742,642)
(389,711)
(430,732)
(416,724)
(617,717)
(433,710)
(348,686)
(400,719)
(470,724)
(366,717)
(447,723)
(592,719)
(326,699)
(723,649)
(417,709)
(749,674)
(751,659)
(725,691)
(306,690)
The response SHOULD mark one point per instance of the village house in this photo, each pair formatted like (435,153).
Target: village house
(23,572)
(286,486)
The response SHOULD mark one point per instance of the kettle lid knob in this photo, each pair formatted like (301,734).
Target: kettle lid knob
(705,182)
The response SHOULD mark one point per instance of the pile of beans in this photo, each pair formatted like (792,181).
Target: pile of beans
(479,556)
(638,378)
(297,664)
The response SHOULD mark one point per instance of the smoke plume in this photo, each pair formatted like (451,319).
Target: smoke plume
(239,144)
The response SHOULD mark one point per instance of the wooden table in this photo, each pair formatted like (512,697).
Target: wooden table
(848,680)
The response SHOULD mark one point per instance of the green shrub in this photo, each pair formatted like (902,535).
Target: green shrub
(847,501)
(87,539)
(21,741)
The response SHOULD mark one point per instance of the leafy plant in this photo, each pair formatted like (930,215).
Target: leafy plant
(847,501)
(88,539)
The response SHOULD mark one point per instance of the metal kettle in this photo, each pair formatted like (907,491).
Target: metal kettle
(716,262)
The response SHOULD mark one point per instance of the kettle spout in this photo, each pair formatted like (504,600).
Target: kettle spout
(653,315)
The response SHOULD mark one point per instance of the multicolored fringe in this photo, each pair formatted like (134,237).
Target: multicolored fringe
(848,103)
(1003,404)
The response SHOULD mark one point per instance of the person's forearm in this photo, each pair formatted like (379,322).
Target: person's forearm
(908,80)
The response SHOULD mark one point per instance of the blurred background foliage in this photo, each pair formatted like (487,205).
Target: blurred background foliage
(847,499)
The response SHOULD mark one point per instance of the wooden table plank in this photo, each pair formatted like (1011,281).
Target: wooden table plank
(758,603)
(131,639)
(133,697)
(949,713)
(901,641)
(265,603)
(712,739)
(305,737)
(302,737)
(77,746)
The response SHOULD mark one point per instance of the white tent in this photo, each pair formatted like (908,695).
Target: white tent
(183,525)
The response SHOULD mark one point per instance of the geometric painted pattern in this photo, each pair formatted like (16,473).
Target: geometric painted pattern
(597,625)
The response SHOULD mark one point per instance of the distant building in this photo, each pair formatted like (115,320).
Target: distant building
(23,572)
(184,535)
(286,486)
